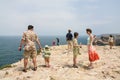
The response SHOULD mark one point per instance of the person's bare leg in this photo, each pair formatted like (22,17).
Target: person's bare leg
(111,47)
(35,63)
(25,64)
(71,46)
(75,62)
(45,62)
(48,60)
(90,65)
(68,47)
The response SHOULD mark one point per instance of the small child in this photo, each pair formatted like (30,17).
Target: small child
(46,55)
(76,49)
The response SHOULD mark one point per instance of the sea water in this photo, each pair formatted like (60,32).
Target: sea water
(9,46)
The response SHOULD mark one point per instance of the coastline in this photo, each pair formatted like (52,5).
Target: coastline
(9,47)
(107,68)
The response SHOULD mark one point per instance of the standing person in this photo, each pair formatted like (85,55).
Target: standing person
(69,38)
(53,43)
(93,55)
(76,49)
(58,41)
(46,56)
(111,41)
(28,40)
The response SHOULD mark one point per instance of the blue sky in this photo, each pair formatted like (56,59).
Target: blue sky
(55,17)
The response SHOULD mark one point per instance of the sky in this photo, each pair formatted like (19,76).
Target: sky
(55,17)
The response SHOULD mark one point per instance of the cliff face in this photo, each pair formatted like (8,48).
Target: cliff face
(103,39)
(107,68)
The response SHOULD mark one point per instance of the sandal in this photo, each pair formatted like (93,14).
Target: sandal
(48,66)
(35,68)
(90,67)
(24,70)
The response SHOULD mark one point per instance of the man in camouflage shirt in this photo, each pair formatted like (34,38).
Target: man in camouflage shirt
(28,40)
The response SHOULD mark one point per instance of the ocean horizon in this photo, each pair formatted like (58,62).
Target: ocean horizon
(9,46)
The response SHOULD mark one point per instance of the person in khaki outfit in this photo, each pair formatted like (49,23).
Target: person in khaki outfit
(69,39)
(111,41)
(76,49)
(28,40)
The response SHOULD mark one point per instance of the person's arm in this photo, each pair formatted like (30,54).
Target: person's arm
(91,40)
(66,36)
(21,43)
(38,42)
(75,44)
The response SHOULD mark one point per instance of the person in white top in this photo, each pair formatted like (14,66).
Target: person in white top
(93,55)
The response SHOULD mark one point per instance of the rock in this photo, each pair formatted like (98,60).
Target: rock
(103,39)
(6,73)
(118,72)
(113,77)
(51,78)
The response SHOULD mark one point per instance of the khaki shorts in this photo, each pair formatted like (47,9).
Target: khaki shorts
(70,43)
(76,51)
(31,54)
(111,43)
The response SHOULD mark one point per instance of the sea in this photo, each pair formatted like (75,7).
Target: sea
(9,46)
